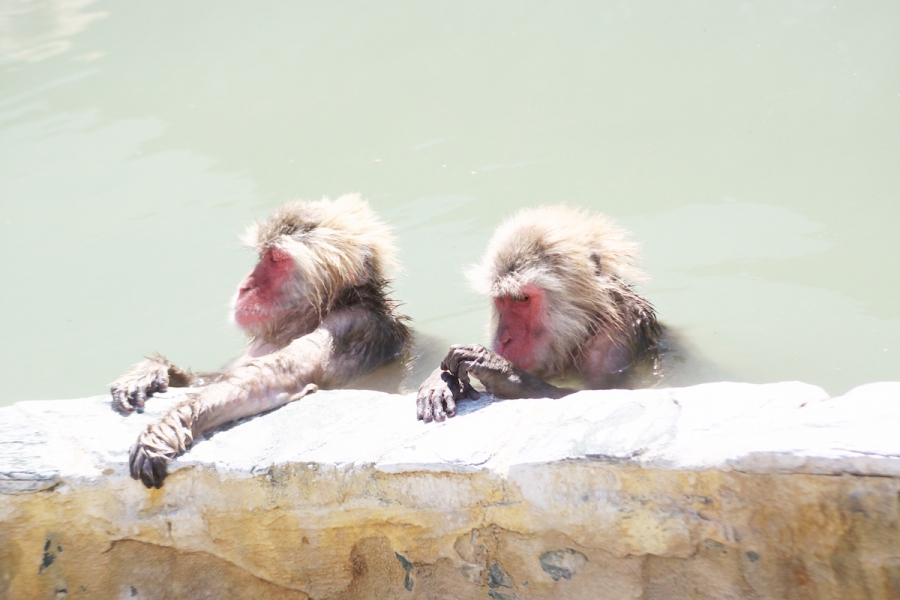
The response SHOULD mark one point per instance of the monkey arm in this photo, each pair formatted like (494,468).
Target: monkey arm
(255,386)
(151,375)
(499,376)
(346,345)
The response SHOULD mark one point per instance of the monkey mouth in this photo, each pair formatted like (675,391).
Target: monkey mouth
(249,316)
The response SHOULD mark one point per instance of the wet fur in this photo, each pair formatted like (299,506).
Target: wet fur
(340,325)
(587,326)
(586,265)
(341,253)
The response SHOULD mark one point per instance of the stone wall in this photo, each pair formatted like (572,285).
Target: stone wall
(716,491)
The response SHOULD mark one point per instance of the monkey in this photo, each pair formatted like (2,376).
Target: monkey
(564,307)
(317,314)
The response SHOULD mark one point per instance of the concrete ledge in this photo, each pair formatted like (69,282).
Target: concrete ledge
(722,490)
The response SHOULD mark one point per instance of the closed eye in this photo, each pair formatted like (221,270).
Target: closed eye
(277,255)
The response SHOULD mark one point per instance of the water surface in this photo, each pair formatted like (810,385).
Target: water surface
(752,149)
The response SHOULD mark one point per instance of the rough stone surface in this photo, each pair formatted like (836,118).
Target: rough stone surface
(717,491)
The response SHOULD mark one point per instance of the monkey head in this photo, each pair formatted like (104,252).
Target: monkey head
(308,253)
(553,274)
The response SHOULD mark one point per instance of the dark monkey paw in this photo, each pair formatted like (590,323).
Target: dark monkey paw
(160,443)
(477,361)
(130,391)
(437,396)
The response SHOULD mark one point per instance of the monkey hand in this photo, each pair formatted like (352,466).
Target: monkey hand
(498,375)
(160,443)
(436,400)
(130,391)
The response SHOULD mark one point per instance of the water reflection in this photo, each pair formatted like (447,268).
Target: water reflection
(35,30)
(699,235)
(91,200)
(712,275)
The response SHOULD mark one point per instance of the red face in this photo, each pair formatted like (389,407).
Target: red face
(520,330)
(260,294)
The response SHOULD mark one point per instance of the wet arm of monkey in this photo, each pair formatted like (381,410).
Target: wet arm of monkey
(498,375)
(255,386)
(151,375)
(438,395)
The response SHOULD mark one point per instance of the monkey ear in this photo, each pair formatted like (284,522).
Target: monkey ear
(595,256)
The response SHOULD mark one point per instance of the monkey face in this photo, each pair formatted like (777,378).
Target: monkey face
(521,333)
(260,296)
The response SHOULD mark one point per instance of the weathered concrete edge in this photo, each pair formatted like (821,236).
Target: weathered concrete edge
(787,427)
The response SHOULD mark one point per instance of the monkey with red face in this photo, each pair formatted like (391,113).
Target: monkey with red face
(317,314)
(563,308)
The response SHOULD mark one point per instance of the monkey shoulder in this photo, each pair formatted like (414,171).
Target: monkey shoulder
(357,329)
(366,332)
(361,312)
(627,362)
(603,357)
(640,324)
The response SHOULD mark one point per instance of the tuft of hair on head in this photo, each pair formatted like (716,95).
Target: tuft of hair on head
(583,261)
(334,244)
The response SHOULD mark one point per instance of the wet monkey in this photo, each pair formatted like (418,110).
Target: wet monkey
(317,313)
(560,280)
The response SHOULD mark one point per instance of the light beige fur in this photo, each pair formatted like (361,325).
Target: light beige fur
(584,263)
(333,324)
(334,244)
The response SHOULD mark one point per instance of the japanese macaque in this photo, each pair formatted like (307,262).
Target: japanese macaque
(563,308)
(317,314)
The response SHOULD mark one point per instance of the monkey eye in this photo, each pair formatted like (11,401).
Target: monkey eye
(277,255)
(522,298)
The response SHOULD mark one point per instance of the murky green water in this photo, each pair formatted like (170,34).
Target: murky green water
(754,150)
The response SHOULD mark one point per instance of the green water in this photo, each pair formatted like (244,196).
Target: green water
(753,149)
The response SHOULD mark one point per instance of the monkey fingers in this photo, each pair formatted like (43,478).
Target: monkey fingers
(147,465)
(443,405)
(444,402)
(471,359)
(457,353)
(424,410)
(498,375)
(120,399)
(473,368)
(128,396)
(160,443)
(310,388)
(431,403)
(434,406)
(146,378)
(437,396)
(467,391)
